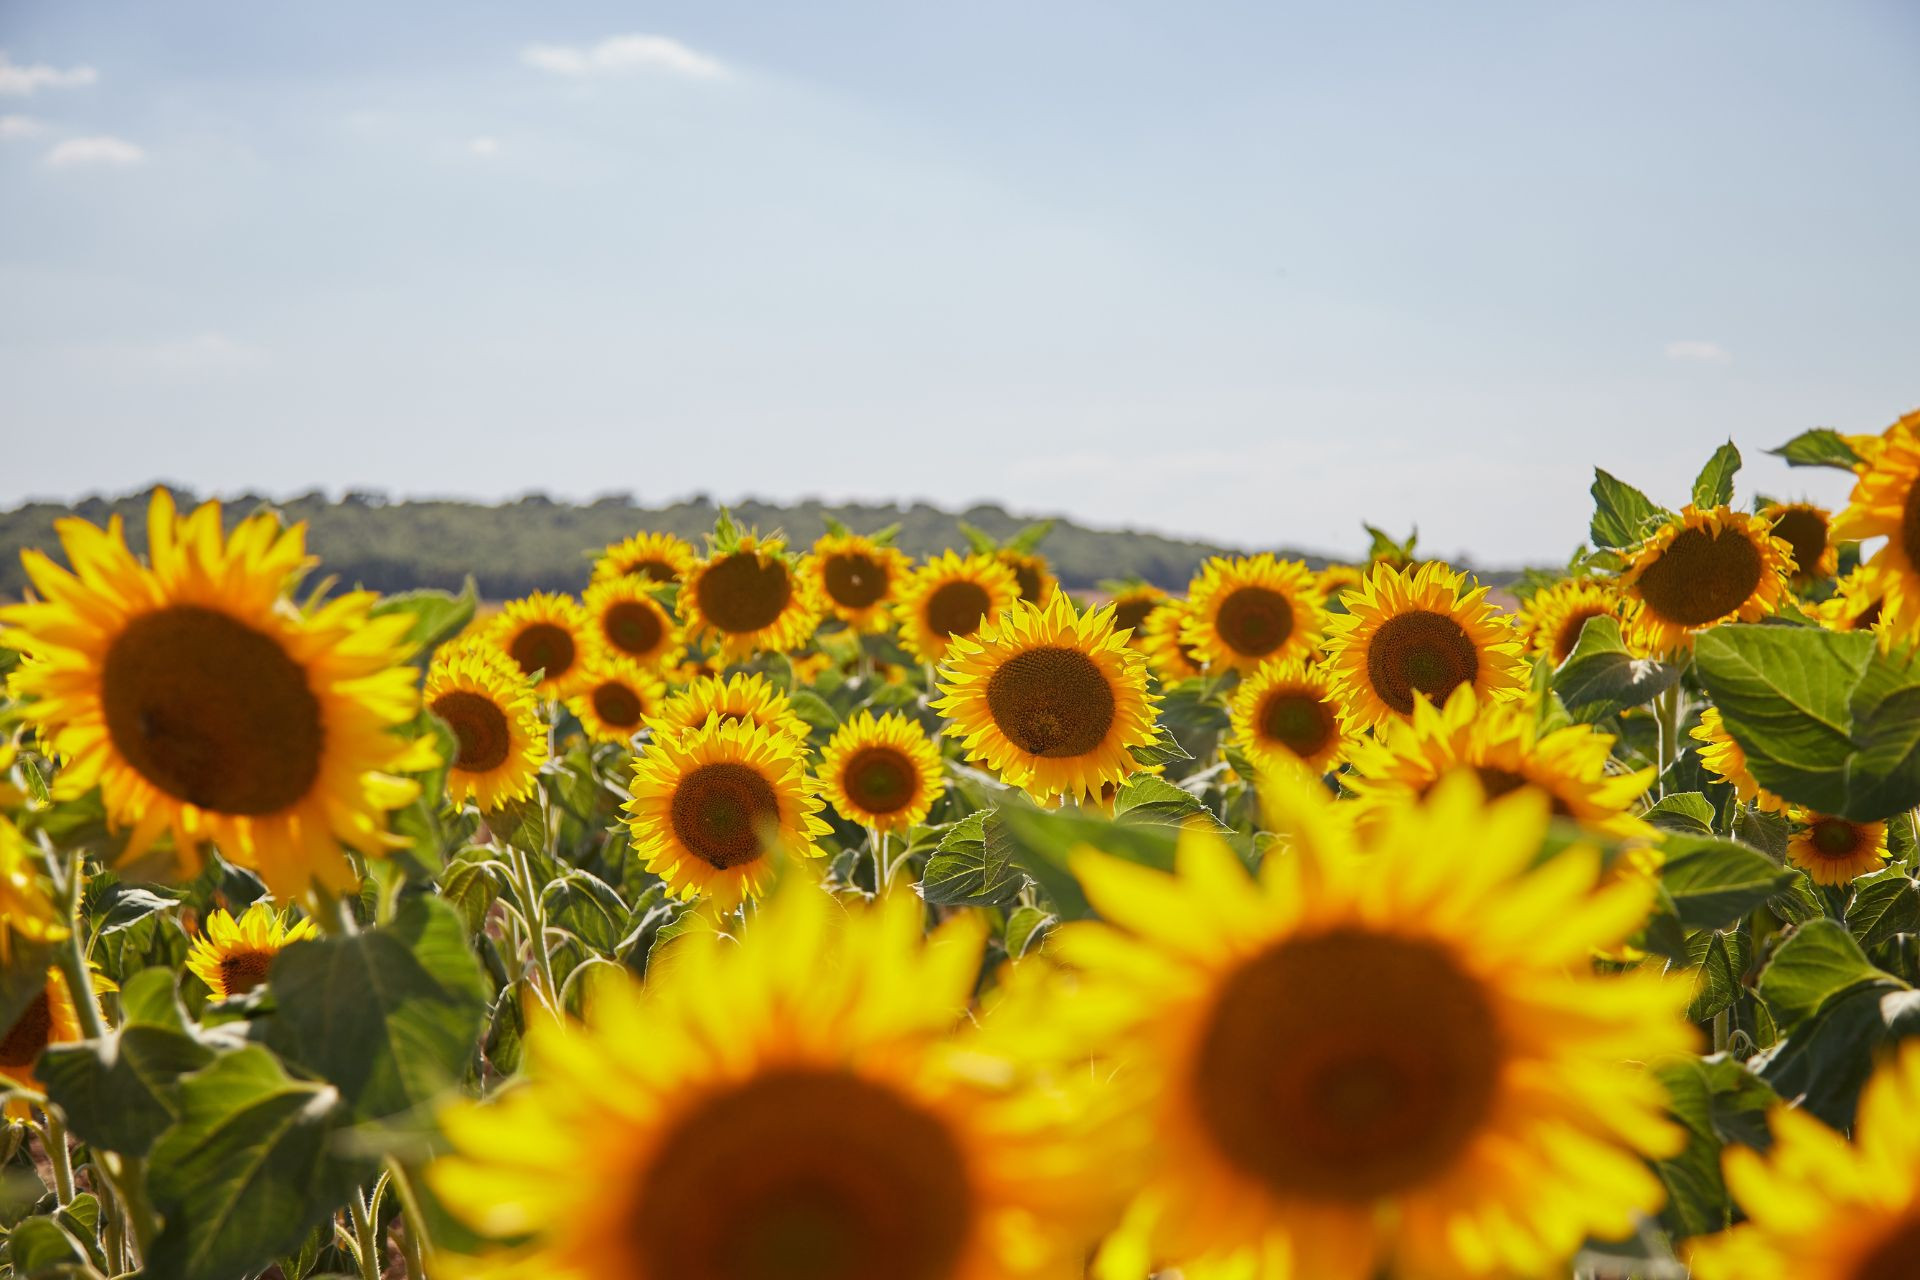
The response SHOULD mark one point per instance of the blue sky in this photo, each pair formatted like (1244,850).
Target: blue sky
(1256,272)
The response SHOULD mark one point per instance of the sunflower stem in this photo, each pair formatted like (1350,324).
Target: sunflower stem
(535,910)
(882,874)
(130,1182)
(53,1136)
(366,1240)
(418,1245)
(72,952)
(1667,715)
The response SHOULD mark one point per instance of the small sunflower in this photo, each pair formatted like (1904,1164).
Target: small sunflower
(951,597)
(1698,570)
(1051,699)
(711,807)
(1856,605)
(233,956)
(1421,633)
(26,911)
(628,619)
(1885,503)
(1835,850)
(858,578)
(1553,618)
(617,698)
(200,701)
(748,598)
(752,699)
(1336,580)
(1032,574)
(1382,1058)
(655,557)
(548,634)
(1288,713)
(1133,606)
(1167,650)
(1819,1207)
(49,1018)
(1807,531)
(1721,756)
(487,703)
(1246,610)
(882,773)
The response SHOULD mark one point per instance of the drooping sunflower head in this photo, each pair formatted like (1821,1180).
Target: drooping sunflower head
(952,597)
(201,701)
(1698,570)
(1721,756)
(1834,850)
(1132,606)
(1554,616)
(748,597)
(1166,647)
(627,617)
(1885,503)
(712,807)
(1383,1058)
(26,912)
(858,578)
(882,773)
(1288,713)
(1807,530)
(547,635)
(1050,698)
(750,699)
(1246,610)
(499,732)
(49,1018)
(617,698)
(1414,635)
(653,557)
(1032,573)
(234,956)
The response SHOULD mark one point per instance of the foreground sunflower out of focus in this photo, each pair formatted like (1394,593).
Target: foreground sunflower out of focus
(770,912)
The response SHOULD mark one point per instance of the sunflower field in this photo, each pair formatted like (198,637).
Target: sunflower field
(806,913)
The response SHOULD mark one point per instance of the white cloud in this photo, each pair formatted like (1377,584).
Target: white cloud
(19,126)
(77,153)
(21,81)
(1694,351)
(483,146)
(623,55)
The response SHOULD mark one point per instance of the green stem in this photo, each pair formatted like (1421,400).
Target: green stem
(54,1138)
(882,874)
(1667,715)
(366,1237)
(131,1183)
(418,1247)
(535,910)
(1722,1024)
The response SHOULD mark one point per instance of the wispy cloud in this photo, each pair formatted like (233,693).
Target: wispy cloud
(483,146)
(19,127)
(623,55)
(1695,351)
(20,81)
(101,151)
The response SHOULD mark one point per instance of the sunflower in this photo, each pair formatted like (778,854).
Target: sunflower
(711,806)
(1133,605)
(1554,616)
(1384,1058)
(949,597)
(1856,605)
(1421,633)
(202,702)
(233,956)
(835,1121)
(1502,744)
(1721,756)
(1167,650)
(1032,574)
(1336,580)
(495,720)
(1806,529)
(747,598)
(752,699)
(1885,503)
(617,698)
(1835,850)
(1051,699)
(882,773)
(25,910)
(858,578)
(49,1018)
(1288,713)
(1698,570)
(549,634)
(628,619)
(1246,610)
(655,557)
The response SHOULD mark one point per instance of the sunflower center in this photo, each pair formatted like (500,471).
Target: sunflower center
(1806,532)
(880,780)
(1867,617)
(1568,636)
(632,627)
(1254,621)
(242,971)
(855,580)
(1052,702)
(1420,651)
(1835,838)
(543,646)
(1300,722)
(656,570)
(719,811)
(1702,577)
(1348,1065)
(212,712)
(956,608)
(743,593)
(28,1035)
(1892,1258)
(617,705)
(1026,576)
(805,1175)
(1131,615)
(480,727)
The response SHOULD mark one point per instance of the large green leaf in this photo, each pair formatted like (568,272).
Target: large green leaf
(1601,677)
(1045,840)
(1146,798)
(1720,960)
(1621,512)
(1717,1101)
(972,865)
(1714,486)
(1818,962)
(119,1093)
(437,616)
(1820,447)
(1885,905)
(1715,882)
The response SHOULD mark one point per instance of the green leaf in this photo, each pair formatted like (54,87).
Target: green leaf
(1817,962)
(1827,1059)
(1164,749)
(1820,447)
(1717,1101)
(1714,486)
(977,540)
(1885,905)
(1715,882)
(119,1093)
(1025,928)
(23,979)
(1620,512)
(972,865)
(814,709)
(1030,537)
(1600,677)
(1687,811)
(1721,959)
(1146,798)
(522,824)
(438,616)
(44,1247)
(1044,841)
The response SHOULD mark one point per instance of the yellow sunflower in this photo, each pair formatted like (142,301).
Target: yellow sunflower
(1132,607)
(1051,699)
(1336,580)
(233,956)
(200,701)
(488,704)
(1807,531)
(1421,633)
(627,619)
(1032,574)
(656,557)
(1167,650)
(858,578)
(549,634)
(1885,503)
(25,910)
(1835,850)
(1246,610)
(951,597)
(749,698)
(828,1121)
(1821,1208)
(882,773)
(1552,619)
(1288,713)
(1390,1058)
(617,698)
(749,599)
(1856,605)
(1698,570)
(49,1018)
(1502,745)
(711,807)
(1721,756)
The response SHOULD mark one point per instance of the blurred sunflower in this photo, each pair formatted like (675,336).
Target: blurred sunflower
(1288,713)
(1834,850)
(1819,1207)
(496,722)
(1385,1058)
(1698,570)
(1336,580)
(628,619)
(1885,503)
(747,598)
(1721,756)
(1807,531)
(1421,633)
(951,597)
(1855,605)
(549,634)
(1050,699)
(617,698)
(1246,610)
(1167,650)
(1032,574)
(858,578)
(711,807)
(656,557)
(25,910)
(882,773)
(49,1018)
(1553,618)
(200,701)
(740,697)
(233,956)
(1132,606)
